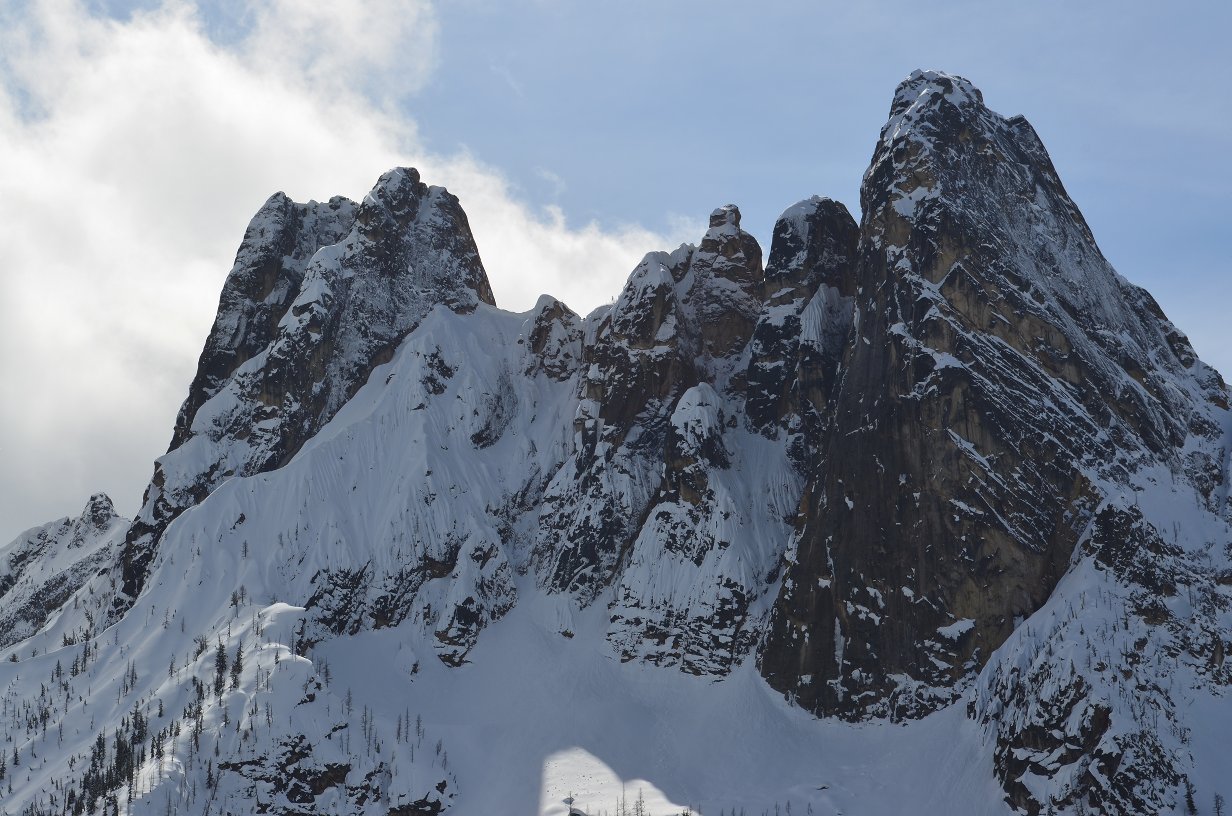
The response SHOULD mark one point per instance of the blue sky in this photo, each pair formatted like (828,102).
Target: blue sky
(673,108)
(578,135)
(645,110)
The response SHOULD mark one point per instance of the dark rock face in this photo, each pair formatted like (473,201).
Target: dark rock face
(702,348)
(804,325)
(320,294)
(293,779)
(996,370)
(724,298)
(346,601)
(553,340)
(266,278)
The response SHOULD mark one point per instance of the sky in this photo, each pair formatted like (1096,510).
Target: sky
(137,137)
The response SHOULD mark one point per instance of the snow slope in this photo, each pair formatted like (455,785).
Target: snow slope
(929,514)
(44,567)
(528,714)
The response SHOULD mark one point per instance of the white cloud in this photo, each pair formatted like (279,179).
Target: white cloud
(384,47)
(136,151)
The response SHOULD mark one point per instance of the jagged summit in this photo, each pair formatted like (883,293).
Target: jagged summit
(807,232)
(280,240)
(925,90)
(99,511)
(942,468)
(46,567)
(993,333)
(319,295)
(726,216)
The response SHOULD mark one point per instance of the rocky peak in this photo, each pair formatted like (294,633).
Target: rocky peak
(799,339)
(413,222)
(646,312)
(814,244)
(99,512)
(320,294)
(683,318)
(948,175)
(725,219)
(724,285)
(996,373)
(44,567)
(726,238)
(925,91)
(396,195)
(265,278)
(553,339)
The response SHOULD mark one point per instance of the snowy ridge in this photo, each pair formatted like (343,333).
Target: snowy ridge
(43,568)
(938,492)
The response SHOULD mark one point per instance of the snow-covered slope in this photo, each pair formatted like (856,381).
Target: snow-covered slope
(319,294)
(929,513)
(42,568)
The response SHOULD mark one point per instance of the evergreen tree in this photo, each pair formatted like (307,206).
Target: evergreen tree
(220,669)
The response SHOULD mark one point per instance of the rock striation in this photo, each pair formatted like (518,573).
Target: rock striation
(944,457)
(998,377)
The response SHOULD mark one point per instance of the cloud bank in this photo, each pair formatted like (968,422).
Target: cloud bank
(135,152)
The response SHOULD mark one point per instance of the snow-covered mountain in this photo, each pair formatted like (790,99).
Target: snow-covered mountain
(928,513)
(46,566)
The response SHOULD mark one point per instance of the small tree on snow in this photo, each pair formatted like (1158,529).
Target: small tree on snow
(220,669)
(237,665)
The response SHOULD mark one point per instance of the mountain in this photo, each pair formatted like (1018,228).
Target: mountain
(928,512)
(45,567)
(319,295)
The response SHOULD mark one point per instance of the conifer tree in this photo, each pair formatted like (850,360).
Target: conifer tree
(220,669)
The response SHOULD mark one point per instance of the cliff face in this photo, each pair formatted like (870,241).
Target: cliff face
(998,379)
(944,457)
